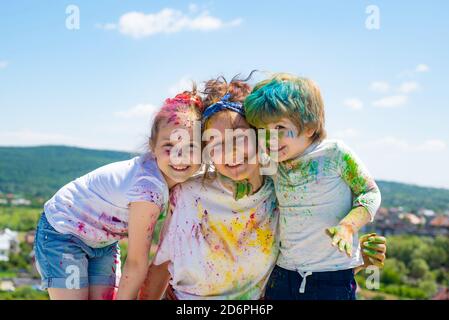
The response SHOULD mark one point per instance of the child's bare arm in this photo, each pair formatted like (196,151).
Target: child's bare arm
(365,204)
(142,218)
(156,282)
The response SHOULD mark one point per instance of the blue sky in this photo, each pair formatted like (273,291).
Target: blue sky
(385,90)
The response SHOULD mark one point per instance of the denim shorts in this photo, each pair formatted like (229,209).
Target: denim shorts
(65,261)
(291,285)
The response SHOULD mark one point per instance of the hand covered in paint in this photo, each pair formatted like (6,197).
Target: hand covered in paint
(374,248)
(342,236)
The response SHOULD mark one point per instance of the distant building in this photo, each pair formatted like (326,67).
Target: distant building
(412,219)
(440,225)
(7,285)
(20,202)
(395,221)
(9,243)
(426,213)
(26,281)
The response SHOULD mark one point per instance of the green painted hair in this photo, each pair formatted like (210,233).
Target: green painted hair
(287,96)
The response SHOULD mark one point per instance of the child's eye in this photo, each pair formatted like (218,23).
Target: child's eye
(279,127)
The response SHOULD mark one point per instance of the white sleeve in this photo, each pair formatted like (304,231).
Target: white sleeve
(147,189)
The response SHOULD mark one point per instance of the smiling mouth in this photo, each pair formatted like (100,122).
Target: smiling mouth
(233,166)
(278,150)
(179,168)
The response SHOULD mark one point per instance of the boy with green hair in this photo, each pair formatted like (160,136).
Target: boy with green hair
(323,191)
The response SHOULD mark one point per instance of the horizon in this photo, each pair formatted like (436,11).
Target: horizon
(136,152)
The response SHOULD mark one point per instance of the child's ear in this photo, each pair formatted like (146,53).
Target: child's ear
(309,131)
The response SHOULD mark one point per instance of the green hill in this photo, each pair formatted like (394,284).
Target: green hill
(40,171)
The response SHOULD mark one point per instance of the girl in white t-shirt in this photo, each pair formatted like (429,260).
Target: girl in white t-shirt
(76,244)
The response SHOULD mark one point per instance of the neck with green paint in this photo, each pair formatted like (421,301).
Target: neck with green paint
(242,188)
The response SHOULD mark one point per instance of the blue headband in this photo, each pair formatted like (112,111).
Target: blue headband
(223,104)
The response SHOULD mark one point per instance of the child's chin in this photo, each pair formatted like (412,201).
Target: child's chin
(179,178)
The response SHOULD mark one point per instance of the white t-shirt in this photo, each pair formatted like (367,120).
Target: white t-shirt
(316,191)
(95,207)
(220,248)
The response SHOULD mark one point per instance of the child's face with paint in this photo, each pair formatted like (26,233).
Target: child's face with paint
(291,143)
(175,152)
(234,149)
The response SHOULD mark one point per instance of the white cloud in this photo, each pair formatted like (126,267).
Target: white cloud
(3,64)
(139,111)
(422,68)
(353,103)
(391,101)
(409,87)
(433,145)
(139,25)
(380,86)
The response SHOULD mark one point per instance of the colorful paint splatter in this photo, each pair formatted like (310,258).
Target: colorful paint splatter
(219,247)
(315,192)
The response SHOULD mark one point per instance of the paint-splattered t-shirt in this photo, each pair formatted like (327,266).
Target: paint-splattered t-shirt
(315,191)
(220,248)
(95,207)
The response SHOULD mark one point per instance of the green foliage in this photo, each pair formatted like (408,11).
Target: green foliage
(41,171)
(418,268)
(24,293)
(413,198)
(393,272)
(415,268)
(405,291)
(19,218)
(18,262)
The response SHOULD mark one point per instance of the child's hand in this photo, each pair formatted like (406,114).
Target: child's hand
(374,248)
(341,236)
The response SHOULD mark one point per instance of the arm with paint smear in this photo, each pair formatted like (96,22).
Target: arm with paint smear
(374,249)
(366,199)
(142,219)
